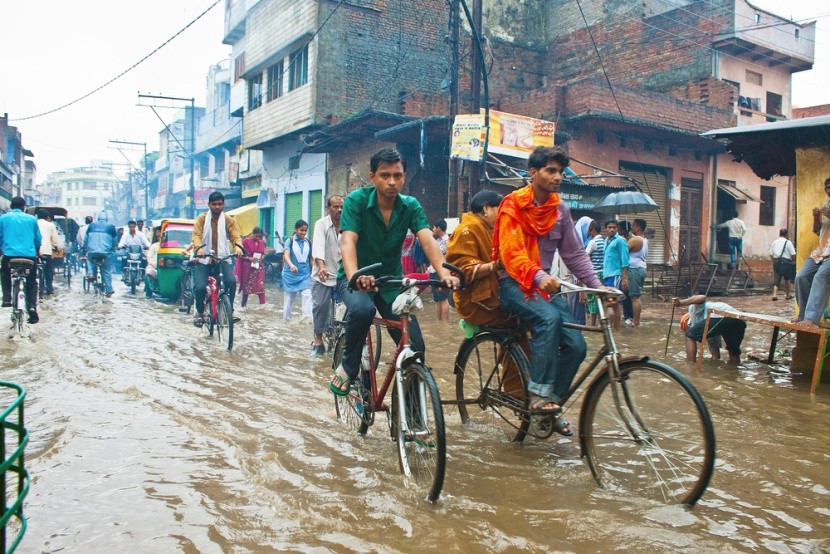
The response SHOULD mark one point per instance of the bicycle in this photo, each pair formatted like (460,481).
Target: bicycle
(97,277)
(19,269)
(84,273)
(416,418)
(335,328)
(186,295)
(643,427)
(41,277)
(217,298)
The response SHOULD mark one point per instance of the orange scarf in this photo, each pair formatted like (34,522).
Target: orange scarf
(519,224)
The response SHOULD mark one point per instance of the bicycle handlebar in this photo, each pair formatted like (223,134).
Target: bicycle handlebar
(217,258)
(405,282)
(576,288)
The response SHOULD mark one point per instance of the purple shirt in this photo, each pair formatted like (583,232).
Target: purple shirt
(564,238)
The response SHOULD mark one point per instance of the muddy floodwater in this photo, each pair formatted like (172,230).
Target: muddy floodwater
(147,436)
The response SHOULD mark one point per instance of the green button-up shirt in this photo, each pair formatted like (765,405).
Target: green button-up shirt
(376,242)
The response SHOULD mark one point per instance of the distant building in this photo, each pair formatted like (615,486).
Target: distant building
(84,191)
(15,169)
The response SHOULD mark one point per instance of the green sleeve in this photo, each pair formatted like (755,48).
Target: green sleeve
(418,218)
(350,218)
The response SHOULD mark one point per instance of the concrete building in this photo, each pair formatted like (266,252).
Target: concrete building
(15,170)
(85,191)
(300,65)
(170,183)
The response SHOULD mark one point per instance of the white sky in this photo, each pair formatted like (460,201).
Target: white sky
(53,51)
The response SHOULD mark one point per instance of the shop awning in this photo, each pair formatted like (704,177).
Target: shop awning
(739,194)
(247,217)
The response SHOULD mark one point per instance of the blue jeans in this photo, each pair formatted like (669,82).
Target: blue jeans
(812,290)
(555,352)
(736,249)
(106,273)
(200,279)
(360,311)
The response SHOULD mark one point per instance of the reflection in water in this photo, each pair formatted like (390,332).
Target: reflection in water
(148,437)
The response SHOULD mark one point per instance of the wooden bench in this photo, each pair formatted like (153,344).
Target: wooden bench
(777,324)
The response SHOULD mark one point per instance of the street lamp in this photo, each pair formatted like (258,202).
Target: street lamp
(144,164)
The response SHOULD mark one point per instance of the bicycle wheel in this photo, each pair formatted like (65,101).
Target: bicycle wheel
(668,454)
(86,282)
(490,385)
(422,447)
(354,409)
(224,321)
(67,273)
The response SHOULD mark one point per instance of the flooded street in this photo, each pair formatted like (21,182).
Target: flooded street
(147,436)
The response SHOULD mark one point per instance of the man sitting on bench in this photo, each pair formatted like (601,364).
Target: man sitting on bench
(732,330)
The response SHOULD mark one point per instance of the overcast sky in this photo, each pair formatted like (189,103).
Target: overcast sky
(54,51)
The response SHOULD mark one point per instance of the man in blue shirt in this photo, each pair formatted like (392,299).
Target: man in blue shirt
(100,243)
(19,238)
(615,267)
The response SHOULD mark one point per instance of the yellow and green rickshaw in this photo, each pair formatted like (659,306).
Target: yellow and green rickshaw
(175,235)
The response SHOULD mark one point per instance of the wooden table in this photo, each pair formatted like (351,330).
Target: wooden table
(777,323)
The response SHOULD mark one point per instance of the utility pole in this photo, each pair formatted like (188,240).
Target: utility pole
(144,166)
(475,90)
(191,205)
(454,196)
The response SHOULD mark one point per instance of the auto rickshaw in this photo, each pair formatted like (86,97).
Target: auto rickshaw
(67,230)
(175,235)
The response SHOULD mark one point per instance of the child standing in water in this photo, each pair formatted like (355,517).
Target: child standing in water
(296,272)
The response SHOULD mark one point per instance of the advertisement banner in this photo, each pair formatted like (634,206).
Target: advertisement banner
(517,135)
(468,134)
(201,198)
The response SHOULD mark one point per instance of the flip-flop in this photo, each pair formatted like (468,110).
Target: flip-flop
(536,403)
(337,388)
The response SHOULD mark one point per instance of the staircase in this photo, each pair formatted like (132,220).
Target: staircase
(701,277)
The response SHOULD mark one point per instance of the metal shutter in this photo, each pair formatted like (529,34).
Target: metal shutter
(654,183)
(293,212)
(315,210)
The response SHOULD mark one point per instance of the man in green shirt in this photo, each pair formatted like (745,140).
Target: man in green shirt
(372,230)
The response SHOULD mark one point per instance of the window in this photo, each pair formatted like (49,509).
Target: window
(90,201)
(774,104)
(275,80)
(298,68)
(797,32)
(238,67)
(88,185)
(767,212)
(757,17)
(255,92)
(754,78)
(293,163)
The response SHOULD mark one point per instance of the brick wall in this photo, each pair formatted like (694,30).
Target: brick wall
(709,90)
(811,111)
(369,57)
(658,52)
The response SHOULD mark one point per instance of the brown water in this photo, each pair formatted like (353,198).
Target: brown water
(149,437)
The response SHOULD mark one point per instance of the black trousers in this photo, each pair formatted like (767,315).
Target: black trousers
(732,331)
(31,281)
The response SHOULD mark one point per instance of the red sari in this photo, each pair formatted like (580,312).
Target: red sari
(252,279)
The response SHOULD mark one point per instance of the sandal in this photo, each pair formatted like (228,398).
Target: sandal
(338,385)
(537,405)
(198,321)
(563,427)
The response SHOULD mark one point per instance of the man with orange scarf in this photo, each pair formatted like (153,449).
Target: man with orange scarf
(530,226)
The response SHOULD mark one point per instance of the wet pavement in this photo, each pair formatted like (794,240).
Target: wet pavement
(147,436)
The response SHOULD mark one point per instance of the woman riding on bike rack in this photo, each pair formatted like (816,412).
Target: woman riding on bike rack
(217,234)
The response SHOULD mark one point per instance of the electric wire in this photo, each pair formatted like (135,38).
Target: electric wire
(112,80)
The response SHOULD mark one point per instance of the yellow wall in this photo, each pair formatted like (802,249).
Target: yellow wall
(812,169)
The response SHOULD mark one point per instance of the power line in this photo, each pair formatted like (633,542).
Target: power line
(136,64)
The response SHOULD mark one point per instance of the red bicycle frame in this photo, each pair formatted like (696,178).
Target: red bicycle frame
(379,394)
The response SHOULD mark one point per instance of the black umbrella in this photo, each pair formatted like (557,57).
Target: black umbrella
(626,202)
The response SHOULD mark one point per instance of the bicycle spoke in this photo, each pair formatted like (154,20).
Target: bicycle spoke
(658,444)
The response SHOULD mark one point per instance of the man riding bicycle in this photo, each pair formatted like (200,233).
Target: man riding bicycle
(532,223)
(214,235)
(373,227)
(19,238)
(99,245)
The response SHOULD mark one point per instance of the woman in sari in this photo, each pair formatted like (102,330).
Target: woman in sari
(469,249)
(250,271)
